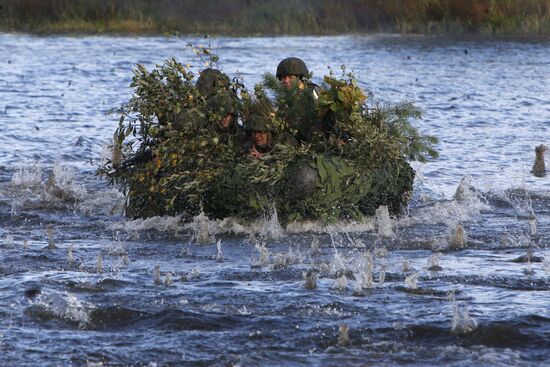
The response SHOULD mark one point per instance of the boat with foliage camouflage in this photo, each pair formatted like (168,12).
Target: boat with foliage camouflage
(333,157)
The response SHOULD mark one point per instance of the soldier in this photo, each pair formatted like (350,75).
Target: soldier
(260,135)
(215,86)
(219,112)
(211,81)
(293,70)
(260,132)
(223,113)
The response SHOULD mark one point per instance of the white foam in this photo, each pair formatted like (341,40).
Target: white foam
(61,185)
(27,177)
(8,241)
(467,204)
(520,199)
(66,306)
(368,224)
(160,223)
(411,282)
(59,191)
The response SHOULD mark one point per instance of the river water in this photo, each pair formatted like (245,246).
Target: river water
(77,279)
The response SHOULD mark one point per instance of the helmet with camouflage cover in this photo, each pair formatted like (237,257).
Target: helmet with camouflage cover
(258,122)
(222,104)
(292,66)
(260,116)
(211,81)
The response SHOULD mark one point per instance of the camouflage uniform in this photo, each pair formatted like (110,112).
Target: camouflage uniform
(221,101)
(214,86)
(305,127)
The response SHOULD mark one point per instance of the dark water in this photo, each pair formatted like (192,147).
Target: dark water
(77,279)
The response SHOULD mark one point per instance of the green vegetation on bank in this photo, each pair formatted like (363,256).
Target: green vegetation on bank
(275,17)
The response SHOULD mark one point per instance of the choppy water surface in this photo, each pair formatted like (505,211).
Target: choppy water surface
(81,285)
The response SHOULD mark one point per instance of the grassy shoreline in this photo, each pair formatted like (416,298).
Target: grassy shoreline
(282,17)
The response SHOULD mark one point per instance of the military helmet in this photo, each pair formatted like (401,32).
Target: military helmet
(211,81)
(292,66)
(222,103)
(257,122)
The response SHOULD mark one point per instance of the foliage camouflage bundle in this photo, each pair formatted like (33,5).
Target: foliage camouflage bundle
(170,153)
(175,160)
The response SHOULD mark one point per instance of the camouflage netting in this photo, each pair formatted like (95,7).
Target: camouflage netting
(330,158)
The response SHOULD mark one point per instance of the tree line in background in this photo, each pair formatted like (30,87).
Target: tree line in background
(274,17)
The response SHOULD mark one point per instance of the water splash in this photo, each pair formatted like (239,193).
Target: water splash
(406,266)
(462,322)
(65,306)
(99,264)
(122,262)
(156,278)
(125,260)
(27,177)
(368,269)
(520,200)
(202,228)
(294,255)
(358,290)
(70,257)
(468,203)
(168,279)
(195,273)
(51,241)
(114,248)
(457,239)
(466,191)
(343,335)
(367,224)
(529,269)
(310,280)
(272,228)
(433,262)
(280,261)
(314,250)
(382,275)
(384,225)
(341,283)
(168,224)
(61,185)
(411,282)
(219,255)
(110,152)
(263,254)
(8,241)
(533,227)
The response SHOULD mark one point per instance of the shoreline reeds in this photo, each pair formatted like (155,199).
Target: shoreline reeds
(277,17)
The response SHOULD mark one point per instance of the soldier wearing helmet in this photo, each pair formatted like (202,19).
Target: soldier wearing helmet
(221,102)
(293,71)
(259,136)
(260,131)
(211,81)
(215,87)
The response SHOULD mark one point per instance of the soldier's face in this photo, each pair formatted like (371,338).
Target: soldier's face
(288,80)
(260,138)
(224,123)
